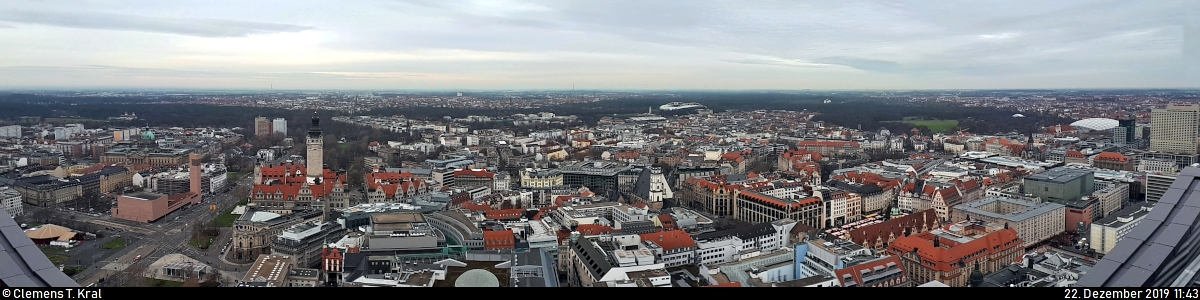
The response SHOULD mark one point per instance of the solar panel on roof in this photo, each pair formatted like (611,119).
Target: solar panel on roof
(1186,214)
(1172,196)
(1150,257)
(1130,276)
(1172,235)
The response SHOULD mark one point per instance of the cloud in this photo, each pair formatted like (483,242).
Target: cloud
(650,44)
(209,28)
(865,64)
(115,71)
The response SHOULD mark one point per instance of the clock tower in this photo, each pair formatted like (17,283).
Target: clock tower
(314,143)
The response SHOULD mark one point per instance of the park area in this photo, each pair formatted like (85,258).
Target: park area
(936,126)
(115,244)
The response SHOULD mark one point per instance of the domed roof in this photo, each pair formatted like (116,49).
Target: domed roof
(148,135)
(477,278)
(1096,123)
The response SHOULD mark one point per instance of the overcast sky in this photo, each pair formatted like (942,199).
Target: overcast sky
(609,44)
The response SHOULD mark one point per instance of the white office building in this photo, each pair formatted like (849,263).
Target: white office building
(10,199)
(11,131)
(279,126)
(1107,231)
(740,243)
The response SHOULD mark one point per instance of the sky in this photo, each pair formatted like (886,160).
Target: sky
(604,45)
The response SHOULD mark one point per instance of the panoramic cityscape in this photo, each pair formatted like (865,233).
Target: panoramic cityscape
(229,149)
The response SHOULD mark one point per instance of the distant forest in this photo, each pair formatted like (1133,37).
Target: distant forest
(854,111)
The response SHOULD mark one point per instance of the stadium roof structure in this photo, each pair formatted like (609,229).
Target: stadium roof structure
(1096,124)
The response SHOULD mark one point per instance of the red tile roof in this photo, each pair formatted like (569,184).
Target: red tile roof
(670,240)
(1112,156)
(948,193)
(474,173)
(476,207)
(918,222)
(593,229)
(668,223)
(778,203)
(826,144)
(499,240)
(292,188)
(543,211)
(950,253)
(856,271)
(504,214)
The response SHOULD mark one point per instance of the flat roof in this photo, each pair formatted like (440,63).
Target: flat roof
(1060,175)
(1029,209)
(1126,215)
(398,217)
(269,268)
(144,196)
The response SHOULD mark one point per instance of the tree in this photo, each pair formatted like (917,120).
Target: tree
(191,281)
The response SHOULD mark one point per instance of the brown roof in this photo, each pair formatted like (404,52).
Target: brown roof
(397,218)
(870,234)
(670,240)
(945,257)
(50,231)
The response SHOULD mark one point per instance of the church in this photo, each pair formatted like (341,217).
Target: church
(287,187)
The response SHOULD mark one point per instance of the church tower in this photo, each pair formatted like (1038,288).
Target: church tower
(314,142)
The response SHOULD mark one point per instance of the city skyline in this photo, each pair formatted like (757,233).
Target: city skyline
(506,45)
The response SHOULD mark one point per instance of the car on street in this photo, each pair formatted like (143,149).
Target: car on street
(138,258)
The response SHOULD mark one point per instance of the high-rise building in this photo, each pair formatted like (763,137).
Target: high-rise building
(1124,133)
(314,143)
(1174,129)
(1157,185)
(10,131)
(262,126)
(10,200)
(279,126)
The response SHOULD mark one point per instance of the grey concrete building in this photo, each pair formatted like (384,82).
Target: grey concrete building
(1060,184)
(1034,221)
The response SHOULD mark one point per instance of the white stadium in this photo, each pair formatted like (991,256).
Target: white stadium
(679,105)
(1096,124)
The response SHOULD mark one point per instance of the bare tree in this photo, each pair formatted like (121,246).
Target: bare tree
(191,281)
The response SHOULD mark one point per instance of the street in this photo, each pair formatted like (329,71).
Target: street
(168,235)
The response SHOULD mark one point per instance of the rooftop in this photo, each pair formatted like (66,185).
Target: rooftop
(1158,251)
(272,269)
(1060,175)
(23,264)
(744,233)
(1028,209)
(1126,215)
(400,217)
(148,196)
